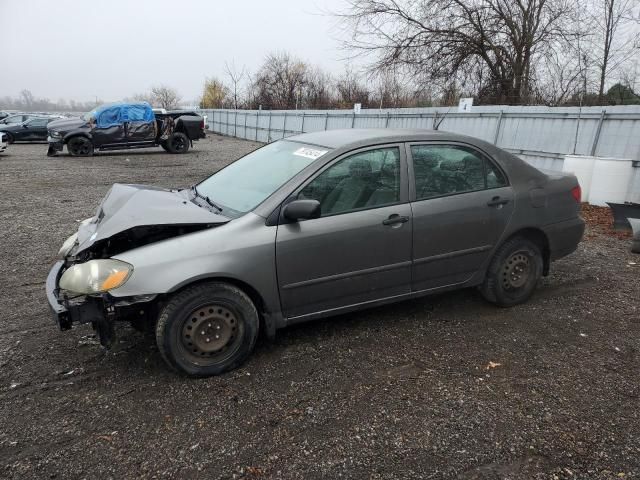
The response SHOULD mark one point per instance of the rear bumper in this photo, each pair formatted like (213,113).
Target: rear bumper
(564,237)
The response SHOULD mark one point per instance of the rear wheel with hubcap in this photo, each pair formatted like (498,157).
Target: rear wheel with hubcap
(207,329)
(513,273)
(80,147)
(9,138)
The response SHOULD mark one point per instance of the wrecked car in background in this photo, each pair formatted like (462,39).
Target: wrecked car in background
(315,225)
(119,126)
(4,142)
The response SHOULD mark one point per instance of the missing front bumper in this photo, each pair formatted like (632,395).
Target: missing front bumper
(54,147)
(100,311)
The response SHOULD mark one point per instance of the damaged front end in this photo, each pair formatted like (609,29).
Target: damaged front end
(100,310)
(79,286)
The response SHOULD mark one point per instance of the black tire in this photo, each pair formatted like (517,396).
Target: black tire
(10,138)
(80,147)
(164,146)
(178,142)
(513,273)
(207,329)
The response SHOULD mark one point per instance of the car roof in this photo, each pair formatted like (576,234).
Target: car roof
(353,137)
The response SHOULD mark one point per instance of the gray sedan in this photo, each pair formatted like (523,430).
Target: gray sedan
(315,225)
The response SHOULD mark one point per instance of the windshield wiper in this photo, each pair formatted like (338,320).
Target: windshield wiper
(205,198)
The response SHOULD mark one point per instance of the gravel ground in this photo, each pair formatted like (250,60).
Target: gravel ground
(442,387)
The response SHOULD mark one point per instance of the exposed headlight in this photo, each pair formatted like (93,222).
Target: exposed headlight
(54,134)
(96,276)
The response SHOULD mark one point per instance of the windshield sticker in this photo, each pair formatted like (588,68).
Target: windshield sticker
(311,153)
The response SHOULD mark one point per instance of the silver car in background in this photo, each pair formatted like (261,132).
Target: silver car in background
(311,226)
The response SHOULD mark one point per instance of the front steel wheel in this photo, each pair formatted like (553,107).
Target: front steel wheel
(207,329)
(211,334)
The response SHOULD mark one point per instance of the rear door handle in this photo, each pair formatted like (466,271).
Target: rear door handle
(395,219)
(497,202)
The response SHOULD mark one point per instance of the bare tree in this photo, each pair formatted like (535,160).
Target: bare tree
(318,89)
(236,77)
(215,94)
(445,41)
(165,97)
(614,38)
(143,97)
(280,81)
(27,99)
(351,89)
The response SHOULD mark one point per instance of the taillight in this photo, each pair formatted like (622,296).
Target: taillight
(576,192)
(202,124)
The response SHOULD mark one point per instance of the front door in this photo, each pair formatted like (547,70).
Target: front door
(462,205)
(359,250)
(108,128)
(35,130)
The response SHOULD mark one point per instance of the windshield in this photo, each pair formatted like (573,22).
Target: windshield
(13,119)
(89,115)
(244,184)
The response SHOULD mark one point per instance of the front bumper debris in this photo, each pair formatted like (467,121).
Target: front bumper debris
(55,146)
(101,311)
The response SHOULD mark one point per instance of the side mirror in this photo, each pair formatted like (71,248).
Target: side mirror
(301,210)
(24,125)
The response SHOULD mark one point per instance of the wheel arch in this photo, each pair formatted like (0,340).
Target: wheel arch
(539,237)
(251,291)
(70,135)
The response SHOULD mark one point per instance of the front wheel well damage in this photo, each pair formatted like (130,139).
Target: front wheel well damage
(251,292)
(69,136)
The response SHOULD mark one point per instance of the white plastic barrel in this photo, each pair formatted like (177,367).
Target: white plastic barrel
(610,181)
(582,167)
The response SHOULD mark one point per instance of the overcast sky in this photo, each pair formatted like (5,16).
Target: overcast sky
(80,49)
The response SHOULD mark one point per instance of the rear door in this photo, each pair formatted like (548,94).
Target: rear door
(139,123)
(359,250)
(462,203)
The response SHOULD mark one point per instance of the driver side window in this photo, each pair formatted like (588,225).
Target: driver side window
(364,180)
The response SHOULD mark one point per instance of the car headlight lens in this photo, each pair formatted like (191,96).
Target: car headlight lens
(96,276)
(54,134)
(68,245)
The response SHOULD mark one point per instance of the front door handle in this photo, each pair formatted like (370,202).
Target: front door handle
(497,202)
(395,219)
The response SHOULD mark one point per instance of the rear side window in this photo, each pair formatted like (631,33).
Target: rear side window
(448,169)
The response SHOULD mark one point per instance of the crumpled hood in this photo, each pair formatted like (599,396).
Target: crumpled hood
(129,206)
(66,124)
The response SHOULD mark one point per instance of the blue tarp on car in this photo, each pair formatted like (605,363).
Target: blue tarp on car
(113,114)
